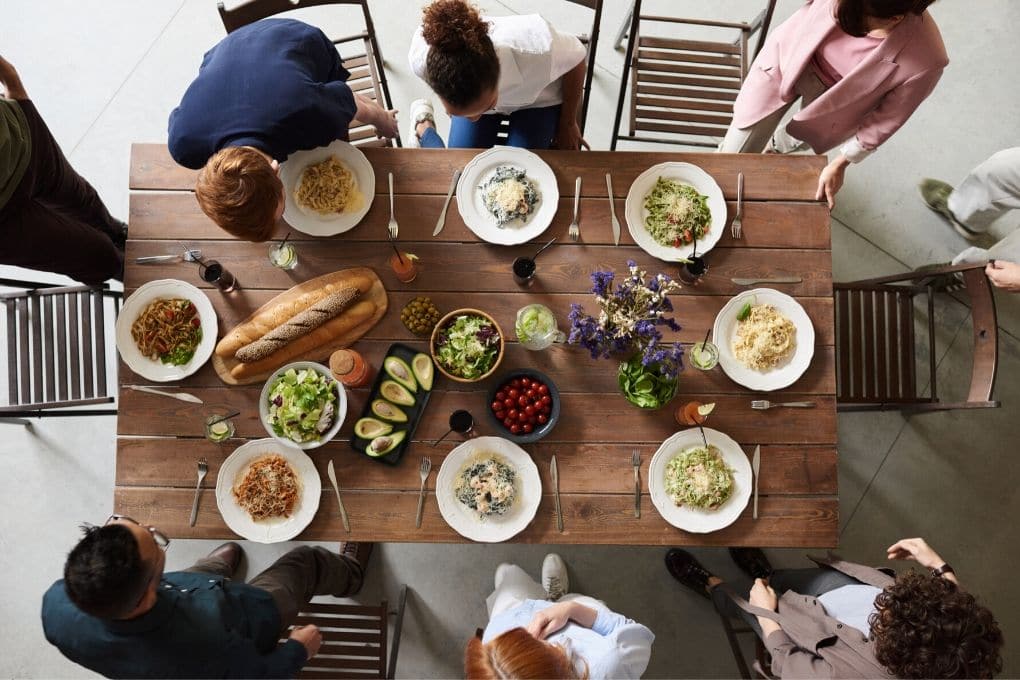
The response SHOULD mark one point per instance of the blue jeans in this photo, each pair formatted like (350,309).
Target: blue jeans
(529,129)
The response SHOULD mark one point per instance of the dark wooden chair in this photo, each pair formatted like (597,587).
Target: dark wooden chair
(876,363)
(368,75)
(682,91)
(353,639)
(56,350)
(762,661)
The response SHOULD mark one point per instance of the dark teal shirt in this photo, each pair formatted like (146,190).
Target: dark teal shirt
(202,626)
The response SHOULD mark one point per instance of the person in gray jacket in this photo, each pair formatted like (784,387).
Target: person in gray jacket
(846,620)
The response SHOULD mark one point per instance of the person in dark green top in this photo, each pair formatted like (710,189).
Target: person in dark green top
(117,613)
(51,219)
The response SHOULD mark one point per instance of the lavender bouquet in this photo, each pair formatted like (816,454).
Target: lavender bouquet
(629,322)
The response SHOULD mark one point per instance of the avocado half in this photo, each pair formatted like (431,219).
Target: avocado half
(382,445)
(424,370)
(370,428)
(393,391)
(388,411)
(398,369)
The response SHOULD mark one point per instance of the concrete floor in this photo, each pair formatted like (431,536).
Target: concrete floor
(107,73)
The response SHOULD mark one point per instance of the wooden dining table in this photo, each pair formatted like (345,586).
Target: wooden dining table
(785,233)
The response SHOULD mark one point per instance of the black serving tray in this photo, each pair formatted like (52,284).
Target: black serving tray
(414,413)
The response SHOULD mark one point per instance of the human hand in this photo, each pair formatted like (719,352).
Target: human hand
(310,637)
(385,123)
(915,549)
(831,180)
(763,596)
(11,80)
(549,620)
(1004,275)
(568,136)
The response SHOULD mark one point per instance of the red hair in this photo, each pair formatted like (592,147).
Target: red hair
(517,654)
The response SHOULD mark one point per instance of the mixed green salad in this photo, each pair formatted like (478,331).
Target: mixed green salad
(302,405)
(645,386)
(699,477)
(468,346)
(677,213)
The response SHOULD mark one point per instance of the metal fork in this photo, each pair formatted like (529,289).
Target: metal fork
(635,458)
(736,229)
(575,230)
(765,404)
(203,468)
(424,470)
(393,219)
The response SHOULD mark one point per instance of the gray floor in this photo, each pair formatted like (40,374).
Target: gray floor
(106,73)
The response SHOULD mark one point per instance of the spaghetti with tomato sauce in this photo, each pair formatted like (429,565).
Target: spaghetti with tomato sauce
(168,330)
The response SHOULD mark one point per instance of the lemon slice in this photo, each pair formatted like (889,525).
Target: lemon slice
(411,256)
(218,429)
(706,409)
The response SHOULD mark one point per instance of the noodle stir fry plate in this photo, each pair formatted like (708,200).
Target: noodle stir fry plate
(696,520)
(277,528)
(308,221)
(677,173)
(789,362)
(164,328)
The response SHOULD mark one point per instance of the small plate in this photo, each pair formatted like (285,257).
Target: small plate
(341,405)
(477,217)
(688,174)
(540,431)
(788,372)
(310,222)
(157,371)
(464,520)
(695,520)
(275,530)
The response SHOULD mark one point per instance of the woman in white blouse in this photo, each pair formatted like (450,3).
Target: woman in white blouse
(485,69)
(538,631)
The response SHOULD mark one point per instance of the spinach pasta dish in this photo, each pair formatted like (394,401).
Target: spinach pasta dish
(487,486)
(677,213)
(699,477)
(509,194)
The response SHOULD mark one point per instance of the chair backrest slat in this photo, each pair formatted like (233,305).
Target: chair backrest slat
(986,337)
(908,387)
(12,352)
(881,345)
(74,344)
(87,338)
(102,387)
(63,347)
(48,305)
(24,354)
(35,313)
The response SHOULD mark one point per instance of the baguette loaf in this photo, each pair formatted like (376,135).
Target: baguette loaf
(306,345)
(271,316)
(313,317)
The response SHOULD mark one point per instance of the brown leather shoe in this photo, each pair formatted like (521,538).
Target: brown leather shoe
(231,554)
(359,552)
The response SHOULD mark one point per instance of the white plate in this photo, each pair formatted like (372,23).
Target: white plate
(786,373)
(695,520)
(157,371)
(688,174)
(466,521)
(276,529)
(310,222)
(477,217)
(341,405)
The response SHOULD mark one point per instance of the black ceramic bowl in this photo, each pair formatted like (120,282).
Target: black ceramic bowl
(540,430)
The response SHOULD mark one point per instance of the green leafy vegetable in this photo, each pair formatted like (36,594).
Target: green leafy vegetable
(302,405)
(645,386)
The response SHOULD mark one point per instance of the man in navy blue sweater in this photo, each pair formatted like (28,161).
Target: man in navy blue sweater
(268,89)
(116,612)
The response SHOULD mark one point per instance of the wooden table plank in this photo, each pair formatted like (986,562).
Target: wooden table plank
(784,521)
(176,215)
(767,177)
(787,470)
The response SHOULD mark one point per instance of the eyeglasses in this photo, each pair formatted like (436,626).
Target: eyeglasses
(158,536)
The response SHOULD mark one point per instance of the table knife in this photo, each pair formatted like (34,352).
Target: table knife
(183,396)
(612,210)
(156,258)
(449,195)
(755,467)
(778,279)
(336,487)
(556,493)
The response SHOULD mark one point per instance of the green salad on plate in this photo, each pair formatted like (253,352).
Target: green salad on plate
(468,346)
(302,405)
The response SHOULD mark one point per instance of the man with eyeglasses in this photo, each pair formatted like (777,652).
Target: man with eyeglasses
(116,612)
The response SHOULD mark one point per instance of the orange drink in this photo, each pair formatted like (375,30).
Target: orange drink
(405,266)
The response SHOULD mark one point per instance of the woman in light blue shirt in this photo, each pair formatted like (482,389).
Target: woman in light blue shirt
(538,631)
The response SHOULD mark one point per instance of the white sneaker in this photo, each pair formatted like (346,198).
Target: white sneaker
(554,576)
(420,110)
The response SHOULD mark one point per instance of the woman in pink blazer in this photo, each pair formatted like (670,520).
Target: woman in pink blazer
(861,67)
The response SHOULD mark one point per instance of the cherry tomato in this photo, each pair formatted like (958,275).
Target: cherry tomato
(516,382)
(501,415)
(513,394)
(528,428)
(530,394)
(542,419)
(512,414)
(545,408)
(496,405)
(501,395)
(529,409)
(543,389)
(509,403)
(546,399)
(525,382)
(522,417)
(515,429)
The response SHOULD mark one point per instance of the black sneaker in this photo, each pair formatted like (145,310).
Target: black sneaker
(752,561)
(120,240)
(686,569)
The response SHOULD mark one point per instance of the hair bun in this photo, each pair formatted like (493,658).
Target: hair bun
(453,26)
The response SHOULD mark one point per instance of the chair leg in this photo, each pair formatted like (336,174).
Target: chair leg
(398,624)
(624,26)
(17,421)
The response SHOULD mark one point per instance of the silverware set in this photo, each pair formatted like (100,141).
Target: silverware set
(203,469)
(340,501)
(755,467)
(182,396)
(446,204)
(765,404)
(575,229)
(189,255)
(554,473)
(777,279)
(636,461)
(423,470)
(612,210)
(737,228)
(392,227)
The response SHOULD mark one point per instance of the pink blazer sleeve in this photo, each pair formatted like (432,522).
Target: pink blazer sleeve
(896,108)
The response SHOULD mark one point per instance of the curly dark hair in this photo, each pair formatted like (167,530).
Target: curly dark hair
(104,574)
(927,627)
(852,15)
(462,61)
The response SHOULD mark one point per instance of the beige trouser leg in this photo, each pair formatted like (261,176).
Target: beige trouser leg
(990,191)
(755,138)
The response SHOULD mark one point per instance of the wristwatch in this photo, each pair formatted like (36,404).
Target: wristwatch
(943,570)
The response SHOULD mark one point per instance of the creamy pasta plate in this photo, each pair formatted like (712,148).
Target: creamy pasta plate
(309,221)
(790,365)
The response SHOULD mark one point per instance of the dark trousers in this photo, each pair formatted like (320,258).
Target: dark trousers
(296,577)
(55,221)
(813,582)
